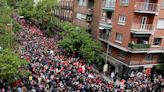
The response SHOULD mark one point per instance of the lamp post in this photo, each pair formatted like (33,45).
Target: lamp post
(107,51)
(105,68)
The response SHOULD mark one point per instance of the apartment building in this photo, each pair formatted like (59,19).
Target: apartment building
(132,31)
(83,13)
(64,10)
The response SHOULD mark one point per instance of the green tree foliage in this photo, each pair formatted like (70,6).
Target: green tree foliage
(78,40)
(5,15)
(11,66)
(7,26)
(161,69)
(24,7)
(7,40)
(42,13)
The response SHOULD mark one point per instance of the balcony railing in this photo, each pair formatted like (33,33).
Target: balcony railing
(106,21)
(104,36)
(145,28)
(108,5)
(66,4)
(144,7)
(84,10)
(138,47)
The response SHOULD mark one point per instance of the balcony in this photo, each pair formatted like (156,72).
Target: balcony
(66,5)
(144,7)
(81,23)
(84,10)
(142,29)
(138,46)
(67,19)
(106,22)
(104,35)
(107,5)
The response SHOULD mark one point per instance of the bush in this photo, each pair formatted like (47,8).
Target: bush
(138,46)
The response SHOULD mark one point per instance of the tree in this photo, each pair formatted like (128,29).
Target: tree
(44,15)
(22,6)
(78,40)
(8,40)
(5,15)
(41,14)
(7,26)
(11,66)
(161,69)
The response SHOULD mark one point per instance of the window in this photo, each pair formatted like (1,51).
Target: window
(122,20)
(81,16)
(149,57)
(82,2)
(160,24)
(109,3)
(119,37)
(57,12)
(104,34)
(67,14)
(70,14)
(122,55)
(162,4)
(157,41)
(124,2)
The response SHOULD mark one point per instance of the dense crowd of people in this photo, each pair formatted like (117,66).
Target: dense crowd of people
(53,70)
(142,82)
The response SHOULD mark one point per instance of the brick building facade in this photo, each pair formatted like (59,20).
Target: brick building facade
(131,31)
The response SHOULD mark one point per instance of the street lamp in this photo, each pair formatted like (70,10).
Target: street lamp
(105,68)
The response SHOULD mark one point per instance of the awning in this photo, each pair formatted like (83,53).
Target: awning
(141,35)
(101,28)
(104,27)
(109,9)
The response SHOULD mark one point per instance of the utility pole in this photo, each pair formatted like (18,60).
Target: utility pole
(107,51)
